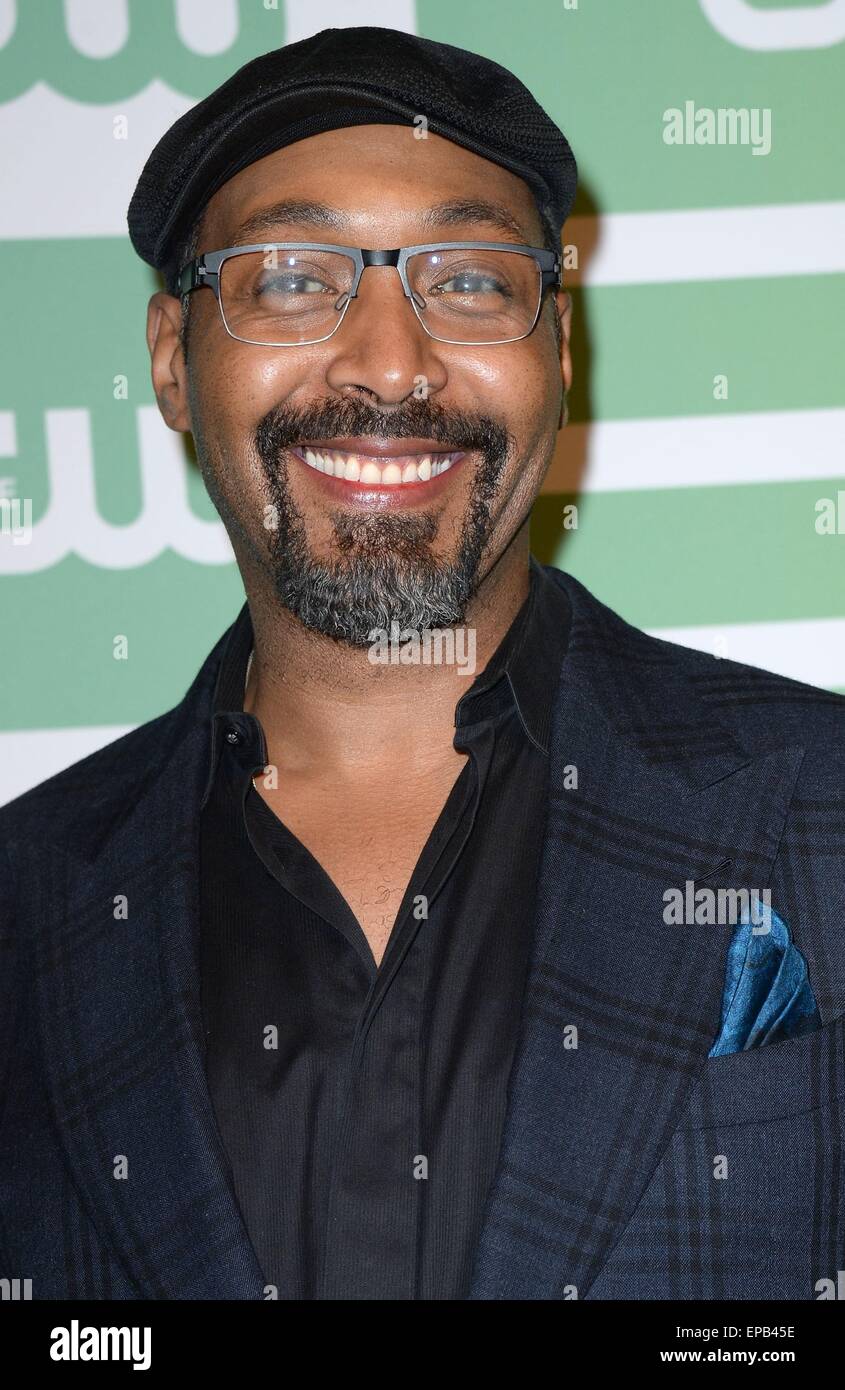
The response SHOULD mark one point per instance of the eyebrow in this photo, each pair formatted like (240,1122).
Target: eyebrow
(304,213)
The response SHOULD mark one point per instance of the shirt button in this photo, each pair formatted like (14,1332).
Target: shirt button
(233,736)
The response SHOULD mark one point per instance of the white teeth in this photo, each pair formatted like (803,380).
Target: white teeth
(388,473)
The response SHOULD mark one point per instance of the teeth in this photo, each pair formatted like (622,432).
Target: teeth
(388,473)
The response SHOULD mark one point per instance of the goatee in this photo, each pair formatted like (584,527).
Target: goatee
(386,571)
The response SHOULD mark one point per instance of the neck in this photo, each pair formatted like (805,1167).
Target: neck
(327,706)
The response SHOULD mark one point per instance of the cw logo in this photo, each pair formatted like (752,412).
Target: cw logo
(796,26)
(109,52)
(72,523)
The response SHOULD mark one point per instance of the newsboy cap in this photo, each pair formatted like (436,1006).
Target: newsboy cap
(344,77)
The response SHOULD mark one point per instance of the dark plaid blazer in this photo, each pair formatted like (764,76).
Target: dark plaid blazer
(631,1165)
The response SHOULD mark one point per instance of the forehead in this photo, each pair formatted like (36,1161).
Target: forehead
(378,180)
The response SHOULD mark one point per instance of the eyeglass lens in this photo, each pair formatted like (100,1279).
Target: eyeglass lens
(280,297)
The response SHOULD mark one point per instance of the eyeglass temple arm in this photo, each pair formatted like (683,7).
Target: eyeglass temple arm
(552,275)
(192,275)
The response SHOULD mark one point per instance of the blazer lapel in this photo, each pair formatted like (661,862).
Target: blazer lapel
(620,1008)
(120,1019)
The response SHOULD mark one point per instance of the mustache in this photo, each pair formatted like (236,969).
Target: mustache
(455,429)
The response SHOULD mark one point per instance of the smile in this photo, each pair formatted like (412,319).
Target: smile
(371,470)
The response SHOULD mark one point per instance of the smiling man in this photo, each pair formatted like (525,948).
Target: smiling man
(348,979)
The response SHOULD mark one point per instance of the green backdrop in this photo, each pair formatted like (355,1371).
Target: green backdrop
(705,449)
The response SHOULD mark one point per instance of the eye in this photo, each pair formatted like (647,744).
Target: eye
(471,282)
(293,282)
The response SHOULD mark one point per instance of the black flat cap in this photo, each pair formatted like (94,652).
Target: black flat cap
(344,77)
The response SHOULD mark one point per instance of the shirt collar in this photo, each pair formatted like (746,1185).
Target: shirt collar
(525,668)
(227,703)
(522,673)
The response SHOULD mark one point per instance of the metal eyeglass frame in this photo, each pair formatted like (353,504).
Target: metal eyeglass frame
(205,270)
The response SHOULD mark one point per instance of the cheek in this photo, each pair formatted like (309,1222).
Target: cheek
(528,396)
(225,413)
(238,387)
(232,390)
(521,387)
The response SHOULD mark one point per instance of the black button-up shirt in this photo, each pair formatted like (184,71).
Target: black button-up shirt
(361,1107)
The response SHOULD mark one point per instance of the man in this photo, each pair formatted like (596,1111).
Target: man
(387,969)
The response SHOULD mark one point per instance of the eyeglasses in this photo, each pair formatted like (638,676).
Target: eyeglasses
(288,294)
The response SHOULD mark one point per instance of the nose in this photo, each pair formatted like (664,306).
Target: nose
(381,347)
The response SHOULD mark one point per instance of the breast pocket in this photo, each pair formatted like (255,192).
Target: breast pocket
(770,1082)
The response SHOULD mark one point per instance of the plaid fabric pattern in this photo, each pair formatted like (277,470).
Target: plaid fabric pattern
(632,1165)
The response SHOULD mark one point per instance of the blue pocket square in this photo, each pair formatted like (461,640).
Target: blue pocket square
(767,995)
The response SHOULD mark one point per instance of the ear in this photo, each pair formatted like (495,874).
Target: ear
(563,307)
(563,303)
(168,370)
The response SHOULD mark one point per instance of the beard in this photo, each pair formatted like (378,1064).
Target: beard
(386,571)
